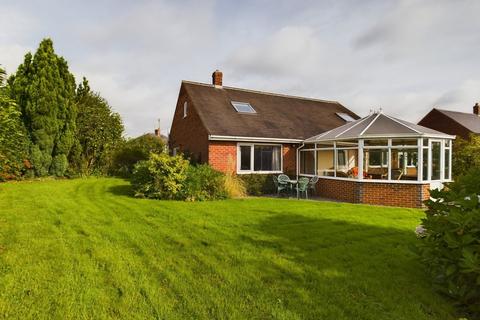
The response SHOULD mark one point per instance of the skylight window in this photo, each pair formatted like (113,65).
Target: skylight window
(243,107)
(345,116)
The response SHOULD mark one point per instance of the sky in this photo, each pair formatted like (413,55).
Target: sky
(404,56)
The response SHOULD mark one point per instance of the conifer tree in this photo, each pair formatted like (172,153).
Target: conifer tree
(45,91)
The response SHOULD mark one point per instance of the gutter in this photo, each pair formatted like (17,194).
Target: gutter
(252,139)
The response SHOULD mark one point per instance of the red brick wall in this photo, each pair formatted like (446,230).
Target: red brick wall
(376,193)
(440,122)
(290,159)
(188,134)
(337,189)
(219,153)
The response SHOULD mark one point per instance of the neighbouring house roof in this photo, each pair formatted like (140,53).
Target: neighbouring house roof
(276,116)
(468,120)
(374,126)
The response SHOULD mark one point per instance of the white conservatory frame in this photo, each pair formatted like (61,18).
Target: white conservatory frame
(445,146)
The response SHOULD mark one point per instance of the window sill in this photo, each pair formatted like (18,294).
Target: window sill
(259,172)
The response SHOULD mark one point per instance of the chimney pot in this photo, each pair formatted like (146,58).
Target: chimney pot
(476,109)
(217,78)
(157,132)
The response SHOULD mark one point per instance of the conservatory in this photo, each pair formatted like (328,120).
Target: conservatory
(377,159)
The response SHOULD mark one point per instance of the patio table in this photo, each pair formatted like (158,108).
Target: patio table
(294,182)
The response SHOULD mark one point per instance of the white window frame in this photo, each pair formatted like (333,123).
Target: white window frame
(420,159)
(185,109)
(252,156)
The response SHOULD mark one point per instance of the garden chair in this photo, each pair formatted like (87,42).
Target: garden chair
(281,183)
(302,186)
(312,183)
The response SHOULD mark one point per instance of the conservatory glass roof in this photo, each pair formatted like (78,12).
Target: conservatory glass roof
(377,125)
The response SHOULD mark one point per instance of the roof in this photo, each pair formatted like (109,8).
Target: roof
(277,116)
(374,126)
(469,120)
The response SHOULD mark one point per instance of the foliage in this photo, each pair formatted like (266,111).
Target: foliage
(258,184)
(234,185)
(13,137)
(204,183)
(44,89)
(84,249)
(99,130)
(160,177)
(466,154)
(134,150)
(450,240)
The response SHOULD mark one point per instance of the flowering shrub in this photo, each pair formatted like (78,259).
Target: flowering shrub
(450,240)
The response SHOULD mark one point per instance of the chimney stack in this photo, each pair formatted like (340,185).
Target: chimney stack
(157,132)
(217,78)
(476,109)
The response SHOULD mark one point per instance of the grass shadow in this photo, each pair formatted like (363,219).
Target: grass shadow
(121,190)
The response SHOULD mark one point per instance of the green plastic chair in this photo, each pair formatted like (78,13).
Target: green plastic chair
(302,186)
(312,183)
(281,184)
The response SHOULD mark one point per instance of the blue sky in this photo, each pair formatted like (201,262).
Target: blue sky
(402,56)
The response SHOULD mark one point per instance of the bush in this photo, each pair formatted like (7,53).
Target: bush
(134,150)
(450,240)
(160,177)
(204,183)
(258,184)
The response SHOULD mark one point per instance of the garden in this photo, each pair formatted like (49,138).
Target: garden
(87,248)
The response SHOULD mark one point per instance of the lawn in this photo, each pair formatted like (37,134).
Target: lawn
(86,249)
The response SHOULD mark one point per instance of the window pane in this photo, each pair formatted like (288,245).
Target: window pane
(325,163)
(447,164)
(404,164)
(376,142)
(425,142)
(266,158)
(425,164)
(436,156)
(347,163)
(404,142)
(307,162)
(376,164)
(245,153)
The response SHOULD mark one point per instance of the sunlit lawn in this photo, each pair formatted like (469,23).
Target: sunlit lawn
(87,249)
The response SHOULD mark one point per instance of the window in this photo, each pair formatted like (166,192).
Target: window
(243,107)
(345,116)
(377,158)
(259,158)
(185,107)
(436,160)
(307,162)
(245,160)
(325,163)
(404,164)
(375,164)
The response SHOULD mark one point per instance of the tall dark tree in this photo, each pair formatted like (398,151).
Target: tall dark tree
(13,137)
(45,91)
(99,130)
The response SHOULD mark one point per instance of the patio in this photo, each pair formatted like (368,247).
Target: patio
(377,159)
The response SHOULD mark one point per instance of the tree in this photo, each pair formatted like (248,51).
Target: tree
(44,89)
(466,155)
(133,151)
(13,137)
(99,130)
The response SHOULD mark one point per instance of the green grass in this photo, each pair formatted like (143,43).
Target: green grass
(86,249)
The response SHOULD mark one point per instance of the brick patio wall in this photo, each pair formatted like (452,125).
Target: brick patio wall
(386,194)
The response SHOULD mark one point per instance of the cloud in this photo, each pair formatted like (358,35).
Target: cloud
(404,56)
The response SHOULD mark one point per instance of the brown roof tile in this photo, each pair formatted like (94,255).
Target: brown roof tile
(277,116)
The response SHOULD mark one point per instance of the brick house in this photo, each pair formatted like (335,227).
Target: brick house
(376,159)
(453,122)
